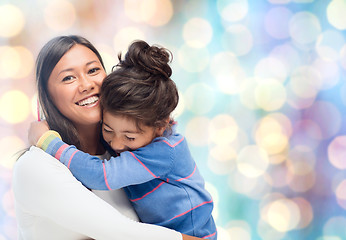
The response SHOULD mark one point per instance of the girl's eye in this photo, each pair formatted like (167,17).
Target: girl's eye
(130,138)
(67,78)
(93,70)
(106,130)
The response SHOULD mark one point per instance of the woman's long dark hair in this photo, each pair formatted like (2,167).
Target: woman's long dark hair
(49,56)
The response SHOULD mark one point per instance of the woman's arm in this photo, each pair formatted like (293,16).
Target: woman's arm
(46,188)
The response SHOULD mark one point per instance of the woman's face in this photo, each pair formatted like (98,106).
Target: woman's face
(74,85)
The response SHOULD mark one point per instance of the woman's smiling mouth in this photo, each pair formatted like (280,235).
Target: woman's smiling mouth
(88,101)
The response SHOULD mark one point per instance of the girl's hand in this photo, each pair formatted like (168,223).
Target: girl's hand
(36,130)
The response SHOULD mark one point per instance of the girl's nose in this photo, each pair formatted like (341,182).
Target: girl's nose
(117,145)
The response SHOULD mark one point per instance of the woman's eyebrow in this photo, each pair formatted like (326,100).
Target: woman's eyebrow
(88,63)
(71,69)
(65,70)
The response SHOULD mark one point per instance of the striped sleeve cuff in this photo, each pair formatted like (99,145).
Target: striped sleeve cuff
(47,138)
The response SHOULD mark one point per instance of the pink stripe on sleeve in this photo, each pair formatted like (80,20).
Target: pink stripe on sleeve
(181,214)
(105,175)
(133,155)
(210,235)
(69,161)
(134,200)
(175,144)
(60,150)
(194,170)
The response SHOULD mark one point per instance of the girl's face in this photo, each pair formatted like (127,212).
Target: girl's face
(122,134)
(74,85)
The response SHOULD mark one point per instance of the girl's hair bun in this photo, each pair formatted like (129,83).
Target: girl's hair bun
(152,59)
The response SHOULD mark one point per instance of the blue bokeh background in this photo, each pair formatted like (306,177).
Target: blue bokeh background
(263,99)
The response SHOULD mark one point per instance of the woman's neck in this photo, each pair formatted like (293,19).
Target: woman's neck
(89,137)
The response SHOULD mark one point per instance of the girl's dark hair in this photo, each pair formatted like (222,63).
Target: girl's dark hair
(49,56)
(140,87)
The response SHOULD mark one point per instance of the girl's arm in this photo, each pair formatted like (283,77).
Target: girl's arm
(129,168)
(45,188)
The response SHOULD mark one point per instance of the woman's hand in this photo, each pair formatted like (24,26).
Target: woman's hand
(36,130)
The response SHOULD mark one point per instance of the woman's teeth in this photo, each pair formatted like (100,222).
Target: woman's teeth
(88,101)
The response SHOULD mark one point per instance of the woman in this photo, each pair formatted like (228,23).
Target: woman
(51,203)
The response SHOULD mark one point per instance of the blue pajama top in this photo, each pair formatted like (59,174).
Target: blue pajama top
(161,180)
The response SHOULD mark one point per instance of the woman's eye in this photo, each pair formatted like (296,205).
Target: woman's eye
(67,78)
(93,70)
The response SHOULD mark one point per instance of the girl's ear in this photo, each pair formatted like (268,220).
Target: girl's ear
(160,130)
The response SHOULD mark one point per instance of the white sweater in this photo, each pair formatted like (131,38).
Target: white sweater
(51,204)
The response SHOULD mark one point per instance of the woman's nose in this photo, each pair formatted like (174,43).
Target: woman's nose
(86,84)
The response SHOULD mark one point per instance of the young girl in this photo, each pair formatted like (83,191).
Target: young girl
(153,161)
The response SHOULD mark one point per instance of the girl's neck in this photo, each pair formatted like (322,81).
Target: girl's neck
(89,137)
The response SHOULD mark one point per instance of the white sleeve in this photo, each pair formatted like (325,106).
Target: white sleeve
(45,187)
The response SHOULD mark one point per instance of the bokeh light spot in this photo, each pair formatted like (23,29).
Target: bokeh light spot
(337,152)
(306,212)
(252,187)
(227,72)
(59,15)
(195,133)
(252,161)
(222,159)
(271,67)
(304,27)
(270,95)
(323,112)
(197,32)
(199,98)
(232,11)
(153,12)
(193,59)
(305,82)
(301,160)
(282,214)
(125,37)
(12,20)
(340,194)
(329,72)
(238,39)
(239,233)
(223,129)
(271,136)
(329,45)
(247,93)
(14,106)
(9,62)
(336,14)
(10,146)
(276,22)
(335,226)
(180,108)
(288,57)
(343,56)
(301,183)
(15,62)
(279,1)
